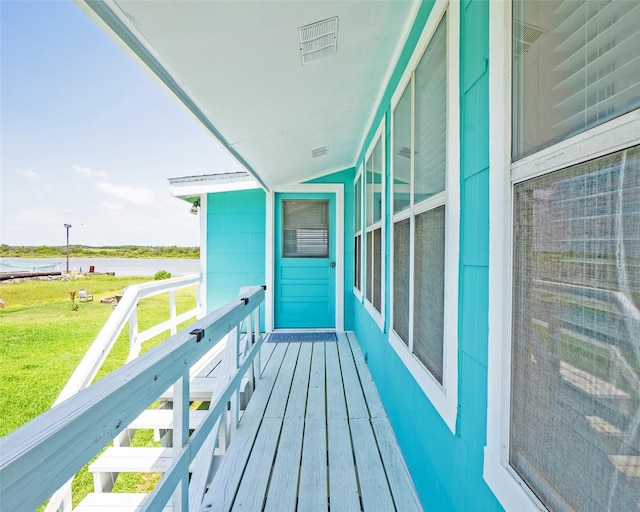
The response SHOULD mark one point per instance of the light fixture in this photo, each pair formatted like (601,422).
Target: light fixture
(195,207)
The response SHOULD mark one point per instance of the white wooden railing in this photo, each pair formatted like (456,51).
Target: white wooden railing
(127,311)
(40,457)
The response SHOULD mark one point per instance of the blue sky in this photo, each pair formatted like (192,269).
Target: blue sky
(88,138)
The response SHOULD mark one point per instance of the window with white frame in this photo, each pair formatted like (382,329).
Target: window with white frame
(357,239)
(420,207)
(374,217)
(572,434)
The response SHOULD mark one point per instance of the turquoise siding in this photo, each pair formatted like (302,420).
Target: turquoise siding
(235,244)
(346,177)
(446,468)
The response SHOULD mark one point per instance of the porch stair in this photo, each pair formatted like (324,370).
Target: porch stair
(122,458)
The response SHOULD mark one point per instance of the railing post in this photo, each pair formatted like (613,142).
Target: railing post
(235,400)
(134,347)
(180,436)
(256,313)
(172,311)
(199,300)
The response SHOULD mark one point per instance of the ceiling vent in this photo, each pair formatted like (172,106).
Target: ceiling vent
(323,150)
(524,37)
(319,40)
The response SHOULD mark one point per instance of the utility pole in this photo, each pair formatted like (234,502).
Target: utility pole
(67,226)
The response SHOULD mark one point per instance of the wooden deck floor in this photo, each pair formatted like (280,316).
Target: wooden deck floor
(314,437)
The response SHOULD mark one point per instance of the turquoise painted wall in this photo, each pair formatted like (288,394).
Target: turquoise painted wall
(346,177)
(235,244)
(447,468)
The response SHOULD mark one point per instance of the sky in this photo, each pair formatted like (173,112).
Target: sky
(88,138)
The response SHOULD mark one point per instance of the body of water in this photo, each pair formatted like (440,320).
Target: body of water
(121,266)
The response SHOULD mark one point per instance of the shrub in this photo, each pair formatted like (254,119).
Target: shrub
(162,274)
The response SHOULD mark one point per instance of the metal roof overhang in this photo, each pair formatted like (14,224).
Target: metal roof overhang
(237,67)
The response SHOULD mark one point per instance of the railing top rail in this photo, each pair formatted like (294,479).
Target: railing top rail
(39,457)
(99,349)
(164,285)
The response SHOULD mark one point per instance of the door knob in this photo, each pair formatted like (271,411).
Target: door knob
(332,264)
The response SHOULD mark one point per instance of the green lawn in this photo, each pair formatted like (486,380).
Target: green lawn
(42,341)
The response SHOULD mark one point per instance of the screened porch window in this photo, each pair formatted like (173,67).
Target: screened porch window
(419,206)
(575,357)
(576,65)
(374,252)
(357,240)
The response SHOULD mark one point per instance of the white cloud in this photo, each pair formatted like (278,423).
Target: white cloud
(111,205)
(133,195)
(28,173)
(88,171)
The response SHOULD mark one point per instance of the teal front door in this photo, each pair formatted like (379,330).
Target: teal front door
(304,260)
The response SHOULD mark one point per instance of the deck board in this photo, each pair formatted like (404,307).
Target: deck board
(313,471)
(356,405)
(298,396)
(376,494)
(283,488)
(226,481)
(315,435)
(256,476)
(336,405)
(343,485)
(316,396)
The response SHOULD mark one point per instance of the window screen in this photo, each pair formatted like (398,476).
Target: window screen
(305,229)
(402,152)
(401,279)
(428,316)
(576,64)
(430,118)
(357,250)
(575,393)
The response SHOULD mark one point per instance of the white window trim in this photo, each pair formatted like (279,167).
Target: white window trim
(443,397)
(624,131)
(378,316)
(359,174)
(202,295)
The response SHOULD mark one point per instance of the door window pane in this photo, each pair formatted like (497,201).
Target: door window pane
(576,64)
(431,111)
(428,313)
(575,395)
(305,229)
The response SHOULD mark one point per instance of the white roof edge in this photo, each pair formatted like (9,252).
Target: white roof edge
(190,186)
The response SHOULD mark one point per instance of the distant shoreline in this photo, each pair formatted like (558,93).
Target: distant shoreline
(84,251)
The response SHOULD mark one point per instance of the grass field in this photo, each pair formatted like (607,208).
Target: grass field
(42,341)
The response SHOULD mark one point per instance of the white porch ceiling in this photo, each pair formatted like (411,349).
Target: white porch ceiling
(239,63)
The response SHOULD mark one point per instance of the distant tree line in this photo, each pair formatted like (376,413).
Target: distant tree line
(109,251)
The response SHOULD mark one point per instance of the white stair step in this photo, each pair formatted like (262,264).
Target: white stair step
(200,389)
(133,460)
(122,502)
(163,419)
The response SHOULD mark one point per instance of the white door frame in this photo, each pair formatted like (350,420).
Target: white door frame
(311,188)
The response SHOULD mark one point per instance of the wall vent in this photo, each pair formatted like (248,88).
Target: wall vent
(524,37)
(319,40)
(404,152)
(323,150)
